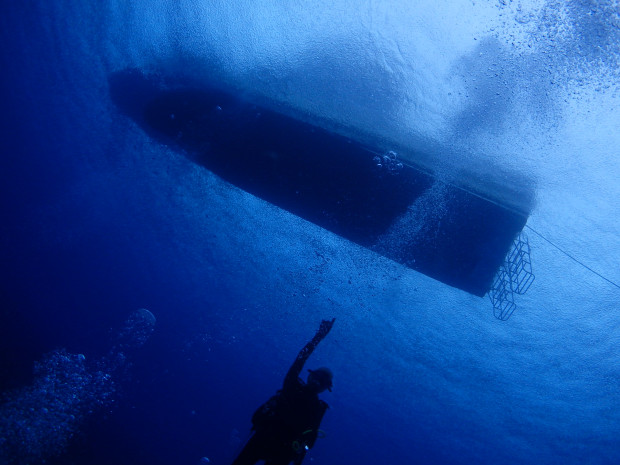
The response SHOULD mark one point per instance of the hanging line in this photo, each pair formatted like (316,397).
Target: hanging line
(571,257)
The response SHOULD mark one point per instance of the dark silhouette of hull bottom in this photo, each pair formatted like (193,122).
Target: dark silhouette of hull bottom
(358,192)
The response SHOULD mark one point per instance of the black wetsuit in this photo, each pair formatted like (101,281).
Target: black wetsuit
(289,422)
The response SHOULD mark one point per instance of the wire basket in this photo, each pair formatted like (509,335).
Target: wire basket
(514,276)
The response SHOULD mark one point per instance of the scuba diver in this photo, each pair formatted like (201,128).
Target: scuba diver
(287,425)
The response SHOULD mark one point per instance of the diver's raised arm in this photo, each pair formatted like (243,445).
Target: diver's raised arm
(298,364)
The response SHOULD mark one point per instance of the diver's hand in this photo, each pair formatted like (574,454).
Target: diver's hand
(326,326)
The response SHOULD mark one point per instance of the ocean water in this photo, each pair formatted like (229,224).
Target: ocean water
(515,101)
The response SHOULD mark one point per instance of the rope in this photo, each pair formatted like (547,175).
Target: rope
(571,257)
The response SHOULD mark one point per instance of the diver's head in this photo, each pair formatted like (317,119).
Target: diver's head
(320,379)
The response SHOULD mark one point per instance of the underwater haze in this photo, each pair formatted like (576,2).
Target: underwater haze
(149,306)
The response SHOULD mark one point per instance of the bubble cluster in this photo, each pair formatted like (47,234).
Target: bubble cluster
(388,162)
(576,40)
(412,227)
(38,421)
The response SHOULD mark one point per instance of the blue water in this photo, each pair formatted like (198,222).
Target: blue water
(100,220)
